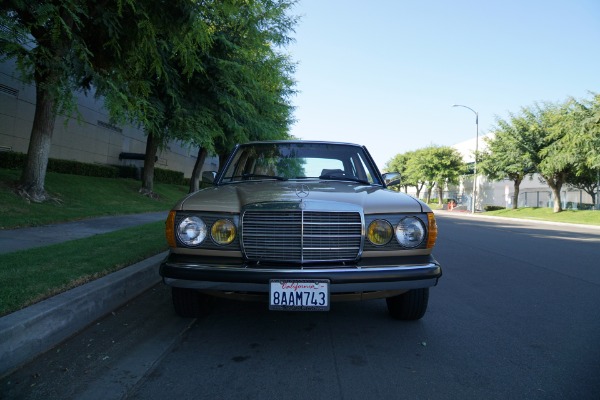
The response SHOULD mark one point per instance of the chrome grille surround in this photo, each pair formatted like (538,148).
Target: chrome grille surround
(302,232)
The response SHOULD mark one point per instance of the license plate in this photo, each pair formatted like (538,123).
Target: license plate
(299,295)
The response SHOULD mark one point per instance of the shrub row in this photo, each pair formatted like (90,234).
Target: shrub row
(168,176)
(493,208)
(14,160)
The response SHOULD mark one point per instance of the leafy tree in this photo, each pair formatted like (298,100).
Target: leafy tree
(159,101)
(242,92)
(557,162)
(398,164)
(253,82)
(583,140)
(584,133)
(585,179)
(42,38)
(417,170)
(66,45)
(431,166)
(510,153)
(445,167)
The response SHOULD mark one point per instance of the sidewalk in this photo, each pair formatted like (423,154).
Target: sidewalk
(27,238)
(34,330)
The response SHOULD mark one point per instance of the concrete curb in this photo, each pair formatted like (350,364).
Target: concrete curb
(34,330)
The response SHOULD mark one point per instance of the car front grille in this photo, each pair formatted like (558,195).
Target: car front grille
(301,236)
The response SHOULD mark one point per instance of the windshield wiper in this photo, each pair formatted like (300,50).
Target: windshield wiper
(249,176)
(338,177)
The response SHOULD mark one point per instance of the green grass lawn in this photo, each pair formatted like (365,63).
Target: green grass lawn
(546,214)
(543,214)
(80,197)
(29,276)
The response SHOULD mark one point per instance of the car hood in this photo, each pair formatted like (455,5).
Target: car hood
(231,198)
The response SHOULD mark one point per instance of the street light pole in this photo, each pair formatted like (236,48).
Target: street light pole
(476,151)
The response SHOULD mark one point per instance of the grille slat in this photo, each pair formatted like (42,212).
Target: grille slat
(301,236)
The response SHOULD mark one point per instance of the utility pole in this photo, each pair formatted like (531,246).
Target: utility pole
(476,151)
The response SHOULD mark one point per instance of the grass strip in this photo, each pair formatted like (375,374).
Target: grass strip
(29,276)
(588,217)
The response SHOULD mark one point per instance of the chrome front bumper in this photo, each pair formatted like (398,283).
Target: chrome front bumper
(362,277)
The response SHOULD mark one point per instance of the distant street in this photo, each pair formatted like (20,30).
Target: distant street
(515,316)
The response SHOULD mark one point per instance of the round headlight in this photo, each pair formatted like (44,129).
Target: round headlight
(223,231)
(191,231)
(410,232)
(380,232)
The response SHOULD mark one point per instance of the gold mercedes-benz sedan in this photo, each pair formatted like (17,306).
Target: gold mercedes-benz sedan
(299,225)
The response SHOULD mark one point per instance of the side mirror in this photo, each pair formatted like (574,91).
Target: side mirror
(209,176)
(391,178)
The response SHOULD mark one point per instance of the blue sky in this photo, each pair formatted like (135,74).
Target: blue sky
(386,73)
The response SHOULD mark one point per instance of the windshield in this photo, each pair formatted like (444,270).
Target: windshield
(285,161)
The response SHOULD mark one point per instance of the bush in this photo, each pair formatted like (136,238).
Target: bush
(586,206)
(14,160)
(129,172)
(168,176)
(493,208)
(84,169)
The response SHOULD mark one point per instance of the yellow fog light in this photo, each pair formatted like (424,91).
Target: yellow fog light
(380,232)
(223,231)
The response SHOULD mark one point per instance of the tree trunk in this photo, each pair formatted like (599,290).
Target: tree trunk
(515,197)
(197,172)
(34,173)
(555,184)
(440,191)
(419,188)
(152,143)
(556,197)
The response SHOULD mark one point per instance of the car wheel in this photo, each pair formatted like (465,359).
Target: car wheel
(190,303)
(409,306)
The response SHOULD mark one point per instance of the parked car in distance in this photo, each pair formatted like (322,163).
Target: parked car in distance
(299,225)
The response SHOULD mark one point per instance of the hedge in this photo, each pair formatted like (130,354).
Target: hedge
(14,160)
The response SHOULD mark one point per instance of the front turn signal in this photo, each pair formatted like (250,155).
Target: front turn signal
(432,229)
(170,229)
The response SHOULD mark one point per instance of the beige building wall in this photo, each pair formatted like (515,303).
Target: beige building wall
(89,137)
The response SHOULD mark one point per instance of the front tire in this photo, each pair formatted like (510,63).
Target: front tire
(409,306)
(190,303)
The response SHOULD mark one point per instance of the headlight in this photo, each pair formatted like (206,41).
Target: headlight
(223,231)
(380,232)
(410,232)
(191,231)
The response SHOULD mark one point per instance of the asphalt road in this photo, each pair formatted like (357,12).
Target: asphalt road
(515,316)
